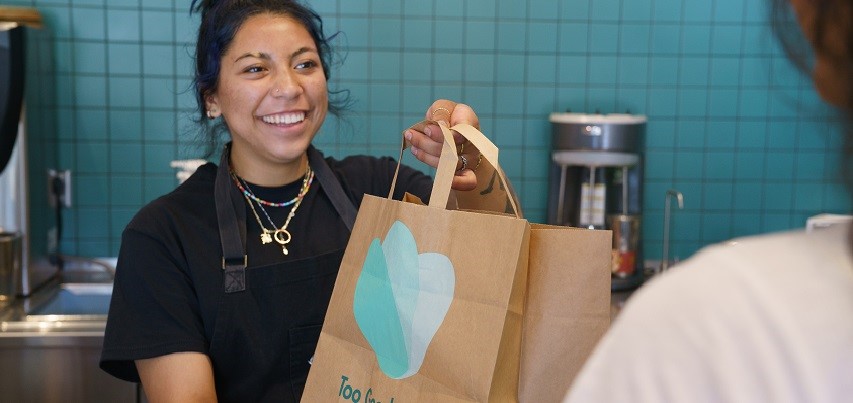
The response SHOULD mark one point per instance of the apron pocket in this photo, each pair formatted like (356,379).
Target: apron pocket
(303,342)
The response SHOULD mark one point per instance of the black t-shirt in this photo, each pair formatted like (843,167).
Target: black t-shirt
(168,294)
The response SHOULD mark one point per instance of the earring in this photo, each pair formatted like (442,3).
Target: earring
(210,115)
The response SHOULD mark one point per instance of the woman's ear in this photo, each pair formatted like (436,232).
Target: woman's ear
(211,105)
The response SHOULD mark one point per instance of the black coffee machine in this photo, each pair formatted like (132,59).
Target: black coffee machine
(28,147)
(596,182)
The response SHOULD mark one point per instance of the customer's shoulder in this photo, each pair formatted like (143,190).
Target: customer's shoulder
(775,251)
(759,271)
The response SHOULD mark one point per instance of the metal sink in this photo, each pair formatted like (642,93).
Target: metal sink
(73,302)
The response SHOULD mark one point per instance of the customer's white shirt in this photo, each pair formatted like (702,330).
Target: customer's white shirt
(759,319)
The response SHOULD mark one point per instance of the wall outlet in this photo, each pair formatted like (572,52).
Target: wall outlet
(59,187)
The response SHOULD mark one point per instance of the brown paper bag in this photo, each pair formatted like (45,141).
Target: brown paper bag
(567,307)
(428,302)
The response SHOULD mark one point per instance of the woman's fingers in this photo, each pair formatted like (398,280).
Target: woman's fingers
(426,145)
(464,180)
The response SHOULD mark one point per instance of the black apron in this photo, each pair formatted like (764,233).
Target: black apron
(260,306)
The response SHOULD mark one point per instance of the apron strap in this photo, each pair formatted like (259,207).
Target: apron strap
(232,226)
(343,205)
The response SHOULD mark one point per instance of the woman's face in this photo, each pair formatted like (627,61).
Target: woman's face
(272,91)
(831,71)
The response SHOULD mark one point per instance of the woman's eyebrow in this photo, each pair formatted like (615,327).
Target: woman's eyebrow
(301,51)
(259,55)
(262,55)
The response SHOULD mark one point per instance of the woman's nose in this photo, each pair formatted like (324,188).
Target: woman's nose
(286,85)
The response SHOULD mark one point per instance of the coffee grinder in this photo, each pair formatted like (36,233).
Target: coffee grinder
(596,182)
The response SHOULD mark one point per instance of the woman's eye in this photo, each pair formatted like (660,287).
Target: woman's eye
(306,65)
(254,69)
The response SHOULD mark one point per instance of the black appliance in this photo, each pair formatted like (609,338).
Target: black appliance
(28,143)
(596,182)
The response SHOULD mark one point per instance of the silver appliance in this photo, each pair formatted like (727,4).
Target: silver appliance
(28,144)
(596,182)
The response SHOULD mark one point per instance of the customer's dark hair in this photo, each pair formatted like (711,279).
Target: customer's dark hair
(220,21)
(829,14)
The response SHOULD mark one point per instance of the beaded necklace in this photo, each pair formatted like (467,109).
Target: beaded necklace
(281,235)
(244,187)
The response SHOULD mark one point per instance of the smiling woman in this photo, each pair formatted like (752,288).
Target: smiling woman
(195,322)
(221,20)
(271,74)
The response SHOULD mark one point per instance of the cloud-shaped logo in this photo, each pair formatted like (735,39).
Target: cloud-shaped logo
(401,299)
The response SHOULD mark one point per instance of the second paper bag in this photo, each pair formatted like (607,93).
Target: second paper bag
(567,306)
(427,306)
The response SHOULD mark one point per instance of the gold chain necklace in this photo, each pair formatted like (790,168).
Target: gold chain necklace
(280,235)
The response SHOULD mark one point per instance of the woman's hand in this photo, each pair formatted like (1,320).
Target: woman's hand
(426,146)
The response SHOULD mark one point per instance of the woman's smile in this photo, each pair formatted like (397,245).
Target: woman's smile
(284,119)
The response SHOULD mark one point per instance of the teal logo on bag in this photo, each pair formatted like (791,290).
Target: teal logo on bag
(401,299)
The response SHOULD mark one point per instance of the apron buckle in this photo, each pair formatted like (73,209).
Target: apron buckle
(235,274)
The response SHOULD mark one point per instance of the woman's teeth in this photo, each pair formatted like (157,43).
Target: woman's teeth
(287,118)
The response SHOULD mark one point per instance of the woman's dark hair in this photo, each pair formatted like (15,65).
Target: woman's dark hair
(829,14)
(220,21)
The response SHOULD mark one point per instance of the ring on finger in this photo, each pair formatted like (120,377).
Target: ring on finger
(479,161)
(434,111)
(464,163)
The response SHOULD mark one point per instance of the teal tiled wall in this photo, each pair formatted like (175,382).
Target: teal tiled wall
(731,124)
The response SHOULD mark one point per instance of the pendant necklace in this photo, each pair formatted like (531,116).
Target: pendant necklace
(280,235)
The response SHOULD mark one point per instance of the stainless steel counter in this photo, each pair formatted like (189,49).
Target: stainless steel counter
(50,343)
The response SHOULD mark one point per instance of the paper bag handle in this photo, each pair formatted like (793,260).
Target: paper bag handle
(447,163)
